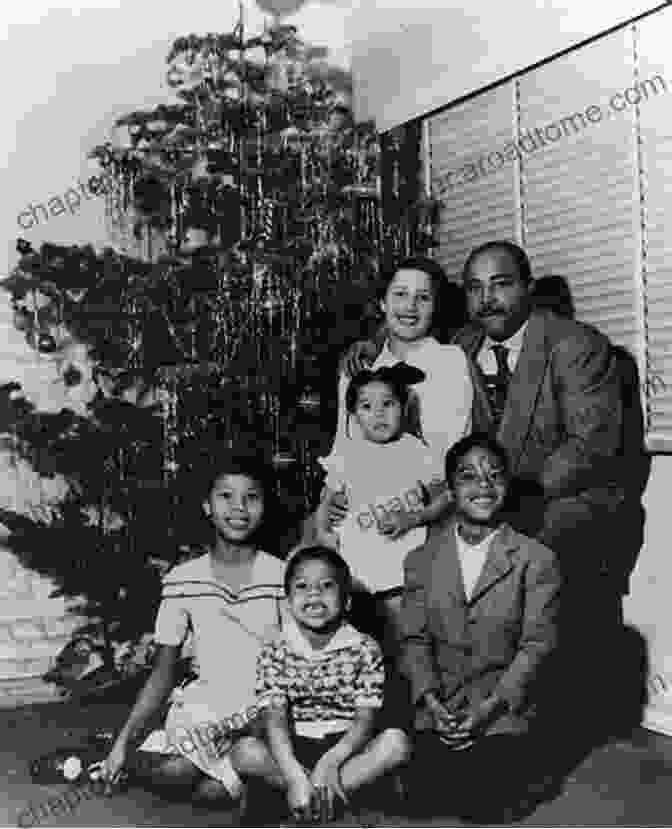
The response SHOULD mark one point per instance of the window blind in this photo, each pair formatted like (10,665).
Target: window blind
(478,202)
(580,213)
(652,50)
(586,189)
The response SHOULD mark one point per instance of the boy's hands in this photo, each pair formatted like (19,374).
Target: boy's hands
(394,524)
(112,767)
(301,796)
(444,721)
(337,508)
(478,719)
(461,730)
(311,798)
(326,780)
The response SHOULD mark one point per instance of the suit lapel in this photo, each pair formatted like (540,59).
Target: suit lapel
(524,388)
(498,563)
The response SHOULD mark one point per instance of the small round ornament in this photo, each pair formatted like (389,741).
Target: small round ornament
(310,402)
(46,343)
(282,460)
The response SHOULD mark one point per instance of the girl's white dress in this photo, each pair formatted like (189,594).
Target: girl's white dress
(376,475)
(225,630)
(377,479)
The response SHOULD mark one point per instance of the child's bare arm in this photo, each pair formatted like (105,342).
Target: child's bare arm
(440,499)
(300,790)
(326,772)
(156,690)
(324,533)
(354,739)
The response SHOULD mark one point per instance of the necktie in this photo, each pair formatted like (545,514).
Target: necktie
(498,384)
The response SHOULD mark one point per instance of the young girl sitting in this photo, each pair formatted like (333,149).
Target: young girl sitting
(228,600)
(322,681)
(386,477)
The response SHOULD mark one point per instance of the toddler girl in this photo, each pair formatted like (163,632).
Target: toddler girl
(388,478)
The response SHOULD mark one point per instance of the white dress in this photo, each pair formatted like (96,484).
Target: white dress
(226,630)
(379,478)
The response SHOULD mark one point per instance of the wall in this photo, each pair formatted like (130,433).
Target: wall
(410,58)
(34,627)
(648,606)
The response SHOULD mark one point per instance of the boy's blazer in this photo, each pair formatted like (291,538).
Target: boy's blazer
(466,649)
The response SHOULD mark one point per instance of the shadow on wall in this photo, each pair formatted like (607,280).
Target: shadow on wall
(628,695)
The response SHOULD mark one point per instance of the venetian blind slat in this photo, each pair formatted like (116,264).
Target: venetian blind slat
(478,202)
(578,192)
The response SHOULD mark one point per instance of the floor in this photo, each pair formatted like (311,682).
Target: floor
(627,782)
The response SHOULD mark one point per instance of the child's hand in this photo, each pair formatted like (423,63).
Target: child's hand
(325,778)
(394,524)
(301,795)
(359,356)
(337,508)
(112,767)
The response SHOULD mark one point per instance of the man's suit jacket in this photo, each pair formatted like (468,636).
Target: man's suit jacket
(561,425)
(496,641)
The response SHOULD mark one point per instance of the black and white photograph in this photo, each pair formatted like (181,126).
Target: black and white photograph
(336,414)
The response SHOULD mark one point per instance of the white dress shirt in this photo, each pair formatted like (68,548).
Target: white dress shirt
(486,356)
(472,559)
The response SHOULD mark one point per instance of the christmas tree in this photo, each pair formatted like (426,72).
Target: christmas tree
(246,230)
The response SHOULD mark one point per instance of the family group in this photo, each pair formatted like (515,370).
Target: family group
(457,590)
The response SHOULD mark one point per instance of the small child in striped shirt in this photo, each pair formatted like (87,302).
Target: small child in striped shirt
(323,680)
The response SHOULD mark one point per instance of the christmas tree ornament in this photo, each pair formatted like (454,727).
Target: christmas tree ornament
(46,343)
(237,218)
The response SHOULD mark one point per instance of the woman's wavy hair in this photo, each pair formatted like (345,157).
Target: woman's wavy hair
(450,310)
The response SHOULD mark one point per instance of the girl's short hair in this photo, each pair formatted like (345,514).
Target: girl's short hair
(477,440)
(250,464)
(334,560)
(397,377)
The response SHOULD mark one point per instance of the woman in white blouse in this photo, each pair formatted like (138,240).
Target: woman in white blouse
(408,299)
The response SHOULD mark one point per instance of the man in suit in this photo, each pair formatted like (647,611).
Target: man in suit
(548,388)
